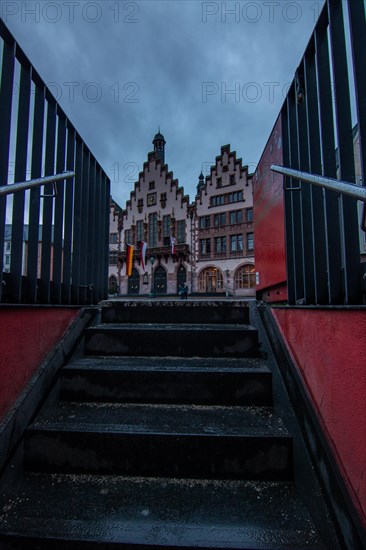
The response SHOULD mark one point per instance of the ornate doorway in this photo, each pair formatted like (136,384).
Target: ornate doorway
(210,280)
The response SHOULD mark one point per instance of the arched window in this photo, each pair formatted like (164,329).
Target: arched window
(210,280)
(245,277)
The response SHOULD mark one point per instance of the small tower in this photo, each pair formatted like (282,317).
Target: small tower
(159,146)
(201,182)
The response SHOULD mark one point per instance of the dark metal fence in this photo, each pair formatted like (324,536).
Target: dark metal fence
(57,242)
(322,227)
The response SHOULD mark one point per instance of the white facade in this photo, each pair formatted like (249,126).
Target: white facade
(156,213)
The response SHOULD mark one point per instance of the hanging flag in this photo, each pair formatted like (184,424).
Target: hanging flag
(143,254)
(172,242)
(129,263)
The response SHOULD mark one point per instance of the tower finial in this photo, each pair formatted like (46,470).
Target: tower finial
(159,146)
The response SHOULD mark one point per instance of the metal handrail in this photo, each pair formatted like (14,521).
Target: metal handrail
(24,185)
(344,187)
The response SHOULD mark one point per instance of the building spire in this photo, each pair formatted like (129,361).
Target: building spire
(159,146)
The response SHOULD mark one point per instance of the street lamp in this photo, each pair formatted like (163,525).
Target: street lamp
(152,260)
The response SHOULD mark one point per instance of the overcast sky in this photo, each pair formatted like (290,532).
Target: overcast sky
(207,73)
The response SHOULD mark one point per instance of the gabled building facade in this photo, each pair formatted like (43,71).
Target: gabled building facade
(157,214)
(224,237)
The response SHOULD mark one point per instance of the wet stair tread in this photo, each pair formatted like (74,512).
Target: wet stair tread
(163,364)
(187,340)
(161,419)
(161,512)
(191,327)
(168,380)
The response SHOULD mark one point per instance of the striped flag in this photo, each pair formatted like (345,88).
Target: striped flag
(172,242)
(143,254)
(129,263)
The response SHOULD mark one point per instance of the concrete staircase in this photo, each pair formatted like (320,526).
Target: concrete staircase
(163,434)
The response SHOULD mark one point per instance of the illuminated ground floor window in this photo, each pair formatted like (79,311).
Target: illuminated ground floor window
(210,280)
(245,277)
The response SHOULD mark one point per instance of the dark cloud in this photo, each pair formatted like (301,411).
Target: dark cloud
(207,77)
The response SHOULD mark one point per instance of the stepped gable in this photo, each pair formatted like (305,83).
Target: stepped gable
(116,210)
(216,169)
(164,172)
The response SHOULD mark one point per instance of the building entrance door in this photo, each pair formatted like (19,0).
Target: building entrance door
(160,280)
(181,277)
(134,282)
(211,281)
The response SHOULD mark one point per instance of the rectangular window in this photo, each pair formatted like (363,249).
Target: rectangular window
(250,241)
(220,219)
(151,185)
(205,246)
(140,230)
(128,236)
(220,245)
(236,217)
(153,233)
(113,238)
(232,179)
(181,231)
(7,259)
(204,222)
(166,226)
(140,203)
(163,197)
(236,243)
(219,182)
(218,200)
(236,197)
(249,214)
(8,247)
(112,257)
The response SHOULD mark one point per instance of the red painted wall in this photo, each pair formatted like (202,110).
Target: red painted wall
(269,229)
(27,335)
(329,347)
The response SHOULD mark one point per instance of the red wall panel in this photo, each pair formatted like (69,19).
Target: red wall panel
(329,347)
(27,335)
(269,229)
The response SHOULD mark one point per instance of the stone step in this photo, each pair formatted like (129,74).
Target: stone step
(166,380)
(82,512)
(176,312)
(185,340)
(160,440)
